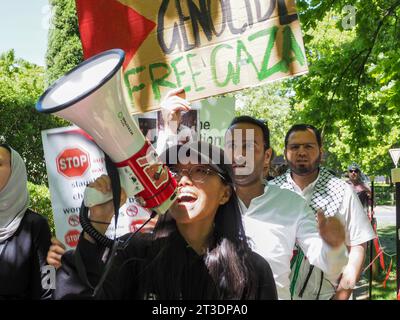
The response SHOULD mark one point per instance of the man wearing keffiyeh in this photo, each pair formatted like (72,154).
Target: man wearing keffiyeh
(323,191)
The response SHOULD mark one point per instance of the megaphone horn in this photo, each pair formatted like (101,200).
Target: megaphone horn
(94,97)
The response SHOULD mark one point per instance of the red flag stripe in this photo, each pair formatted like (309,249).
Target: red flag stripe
(108,24)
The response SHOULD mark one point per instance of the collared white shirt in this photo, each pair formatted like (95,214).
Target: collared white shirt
(277,219)
(351,213)
(307,192)
(358,231)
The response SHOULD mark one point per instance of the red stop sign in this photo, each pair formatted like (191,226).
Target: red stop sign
(73,162)
(72,237)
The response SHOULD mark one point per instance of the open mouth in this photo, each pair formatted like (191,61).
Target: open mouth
(186,197)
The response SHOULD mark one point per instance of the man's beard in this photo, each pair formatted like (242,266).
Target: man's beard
(304,170)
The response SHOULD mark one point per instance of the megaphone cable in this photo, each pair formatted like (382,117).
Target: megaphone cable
(113,244)
(84,212)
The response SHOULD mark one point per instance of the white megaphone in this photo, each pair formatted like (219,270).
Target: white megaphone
(93,96)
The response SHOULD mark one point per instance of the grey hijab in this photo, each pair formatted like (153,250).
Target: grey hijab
(14,198)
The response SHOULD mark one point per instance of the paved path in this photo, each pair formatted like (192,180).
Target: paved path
(361,291)
(385,215)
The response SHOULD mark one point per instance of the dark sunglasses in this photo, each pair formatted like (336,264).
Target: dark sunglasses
(352,171)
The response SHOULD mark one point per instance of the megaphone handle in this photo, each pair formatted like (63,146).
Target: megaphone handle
(93,197)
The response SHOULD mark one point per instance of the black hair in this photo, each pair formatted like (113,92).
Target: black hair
(304,127)
(259,123)
(227,258)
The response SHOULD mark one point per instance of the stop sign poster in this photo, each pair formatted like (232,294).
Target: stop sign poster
(73,160)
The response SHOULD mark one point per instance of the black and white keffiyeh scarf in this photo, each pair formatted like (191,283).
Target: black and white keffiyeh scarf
(327,194)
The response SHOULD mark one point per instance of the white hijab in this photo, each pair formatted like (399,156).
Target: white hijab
(14,198)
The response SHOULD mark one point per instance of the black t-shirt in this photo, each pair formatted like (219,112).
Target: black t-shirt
(136,272)
(22,257)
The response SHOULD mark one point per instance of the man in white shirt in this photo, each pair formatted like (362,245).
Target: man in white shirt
(274,218)
(322,190)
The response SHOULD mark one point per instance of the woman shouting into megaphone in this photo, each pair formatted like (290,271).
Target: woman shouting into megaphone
(198,249)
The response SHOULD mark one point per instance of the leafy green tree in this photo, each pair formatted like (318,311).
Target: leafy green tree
(21,84)
(40,202)
(352,89)
(271,103)
(64,46)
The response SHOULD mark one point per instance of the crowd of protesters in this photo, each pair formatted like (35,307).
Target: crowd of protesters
(236,231)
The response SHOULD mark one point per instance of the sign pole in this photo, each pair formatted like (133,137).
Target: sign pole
(371,242)
(395,154)
(397,233)
(396,180)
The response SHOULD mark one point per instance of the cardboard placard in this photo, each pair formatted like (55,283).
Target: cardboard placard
(209,47)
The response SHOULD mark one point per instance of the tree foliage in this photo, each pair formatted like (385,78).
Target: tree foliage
(21,84)
(271,103)
(40,202)
(64,46)
(352,89)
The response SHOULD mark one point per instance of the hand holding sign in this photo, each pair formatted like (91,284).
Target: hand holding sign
(171,108)
(175,101)
(57,249)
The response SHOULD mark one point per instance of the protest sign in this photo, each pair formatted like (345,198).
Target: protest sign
(209,47)
(215,116)
(73,160)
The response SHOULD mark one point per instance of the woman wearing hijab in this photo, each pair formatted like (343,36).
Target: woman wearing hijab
(24,235)
(198,249)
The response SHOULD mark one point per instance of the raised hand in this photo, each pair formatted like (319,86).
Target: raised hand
(331,230)
(175,101)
